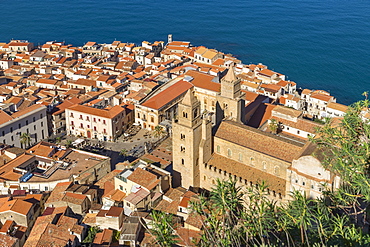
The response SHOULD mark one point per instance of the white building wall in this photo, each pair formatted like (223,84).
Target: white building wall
(34,123)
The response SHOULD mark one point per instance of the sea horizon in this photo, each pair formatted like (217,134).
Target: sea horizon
(318,45)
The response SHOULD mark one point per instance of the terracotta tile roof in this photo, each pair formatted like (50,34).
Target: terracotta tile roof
(7,240)
(48,233)
(27,110)
(143,178)
(7,225)
(250,96)
(111,113)
(89,219)
(17,205)
(115,195)
(283,83)
(287,111)
(18,44)
(6,171)
(114,211)
(261,115)
(43,149)
(66,103)
(84,82)
(301,124)
(58,192)
(74,198)
(337,106)
(171,200)
(187,237)
(203,80)
(267,72)
(137,197)
(4,117)
(109,177)
(271,87)
(167,95)
(155,159)
(219,62)
(195,220)
(47,81)
(322,97)
(90,43)
(258,140)
(103,238)
(247,172)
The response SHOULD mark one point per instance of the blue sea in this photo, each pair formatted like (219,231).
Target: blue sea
(318,44)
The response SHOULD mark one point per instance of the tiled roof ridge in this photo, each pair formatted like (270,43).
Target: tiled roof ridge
(258,131)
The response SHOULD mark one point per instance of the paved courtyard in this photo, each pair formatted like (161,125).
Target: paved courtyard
(135,146)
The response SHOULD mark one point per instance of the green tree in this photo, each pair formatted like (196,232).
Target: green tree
(58,139)
(260,216)
(69,143)
(273,126)
(158,131)
(162,228)
(222,212)
(91,234)
(123,153)
(25,139)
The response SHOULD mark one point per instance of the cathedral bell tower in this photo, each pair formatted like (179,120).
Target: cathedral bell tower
(186,137)
(230,101)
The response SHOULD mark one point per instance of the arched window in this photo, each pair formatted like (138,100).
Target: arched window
(277,170)
(240,157)
(195,113)
(264,165)
(218,149)
(229,152)
(182,162)
(252,161)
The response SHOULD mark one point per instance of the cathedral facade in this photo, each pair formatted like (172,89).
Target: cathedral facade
(203,153)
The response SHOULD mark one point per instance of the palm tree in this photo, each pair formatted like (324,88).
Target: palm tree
(158,131)
(123,153)
(366,94)
(163,229)
(68,143)
(222,215)
(25,139)
(274,126)
(58,139)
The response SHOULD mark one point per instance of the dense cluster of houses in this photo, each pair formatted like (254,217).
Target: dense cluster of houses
(54,194)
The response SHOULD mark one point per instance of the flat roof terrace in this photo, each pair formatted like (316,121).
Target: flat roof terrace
(79,162)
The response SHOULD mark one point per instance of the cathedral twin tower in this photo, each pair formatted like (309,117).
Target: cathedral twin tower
(192,130)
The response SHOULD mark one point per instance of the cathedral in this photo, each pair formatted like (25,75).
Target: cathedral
(204,151)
